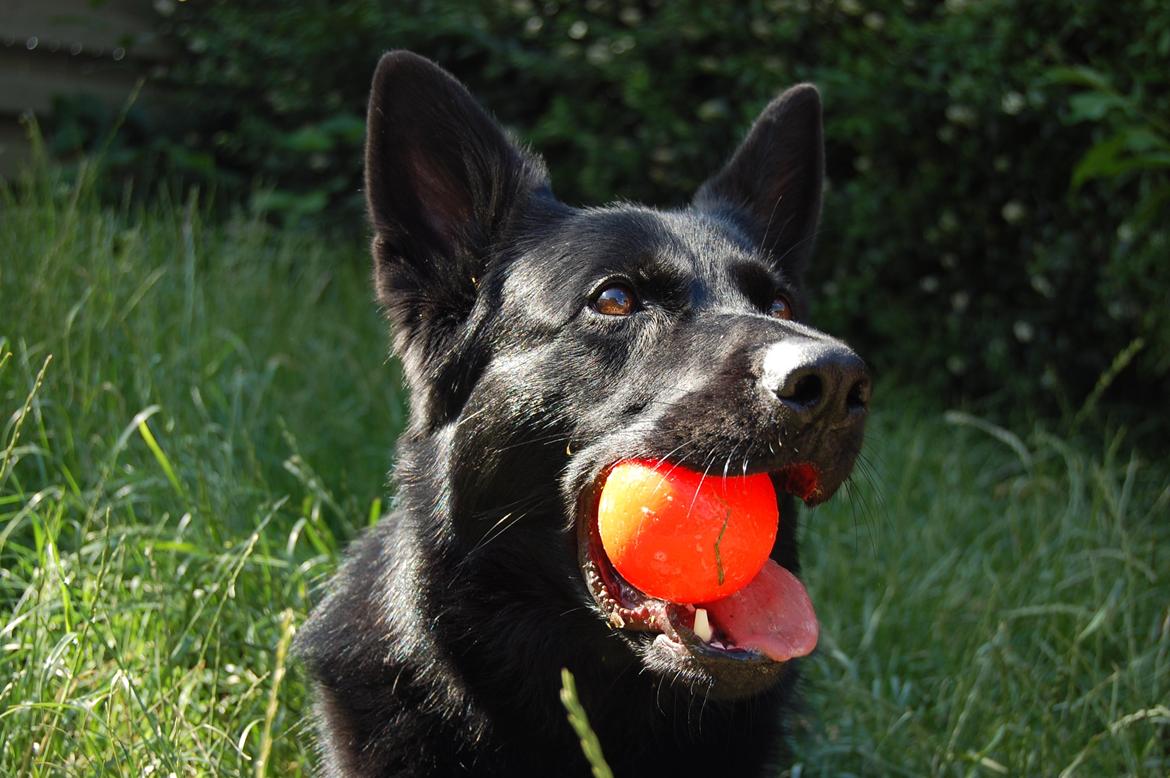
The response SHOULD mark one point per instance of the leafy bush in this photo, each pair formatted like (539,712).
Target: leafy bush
(998,179)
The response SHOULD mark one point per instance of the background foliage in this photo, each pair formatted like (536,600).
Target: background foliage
(996,218)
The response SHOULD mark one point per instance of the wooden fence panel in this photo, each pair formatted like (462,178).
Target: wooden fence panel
(52,48)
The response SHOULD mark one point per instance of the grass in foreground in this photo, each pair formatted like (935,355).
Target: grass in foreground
(1006,611)
(215,420)
(197,417)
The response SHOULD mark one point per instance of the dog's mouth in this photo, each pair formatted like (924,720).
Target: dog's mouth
(766,623)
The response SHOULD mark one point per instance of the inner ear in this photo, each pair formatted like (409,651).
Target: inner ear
(445,205)
(773,182)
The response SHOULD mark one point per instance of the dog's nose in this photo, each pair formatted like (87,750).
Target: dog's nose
(817,380)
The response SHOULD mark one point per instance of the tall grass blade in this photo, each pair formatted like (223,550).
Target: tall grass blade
(579,720)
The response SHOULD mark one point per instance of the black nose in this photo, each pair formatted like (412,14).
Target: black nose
(817,380)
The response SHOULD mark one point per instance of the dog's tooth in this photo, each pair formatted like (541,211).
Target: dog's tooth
(702,625)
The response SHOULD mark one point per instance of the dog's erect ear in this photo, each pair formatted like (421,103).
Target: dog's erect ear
(442,180)
(774,178)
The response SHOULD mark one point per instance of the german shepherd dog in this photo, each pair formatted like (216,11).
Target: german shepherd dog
(542,343)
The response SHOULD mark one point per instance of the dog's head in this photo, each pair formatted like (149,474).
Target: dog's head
(543,343)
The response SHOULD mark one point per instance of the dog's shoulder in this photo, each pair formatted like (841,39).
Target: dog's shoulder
(381,679)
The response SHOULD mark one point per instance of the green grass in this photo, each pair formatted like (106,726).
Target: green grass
(196,418)
(1005,611)
(215,421)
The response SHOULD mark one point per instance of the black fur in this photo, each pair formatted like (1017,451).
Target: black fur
(439,648)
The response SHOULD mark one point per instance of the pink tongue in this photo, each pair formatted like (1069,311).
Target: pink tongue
(772,615)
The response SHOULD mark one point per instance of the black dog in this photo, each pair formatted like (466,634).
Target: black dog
(543,343)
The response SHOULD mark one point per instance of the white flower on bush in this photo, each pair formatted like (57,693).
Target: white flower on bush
(1043,286)
(960,114)
(1013,212)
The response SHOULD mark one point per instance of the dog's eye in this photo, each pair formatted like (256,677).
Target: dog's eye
(780,308)
(615,300)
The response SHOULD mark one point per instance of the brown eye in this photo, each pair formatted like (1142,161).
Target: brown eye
(780,308)
(615,300)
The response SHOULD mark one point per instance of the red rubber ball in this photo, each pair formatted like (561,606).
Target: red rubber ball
(680,536)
